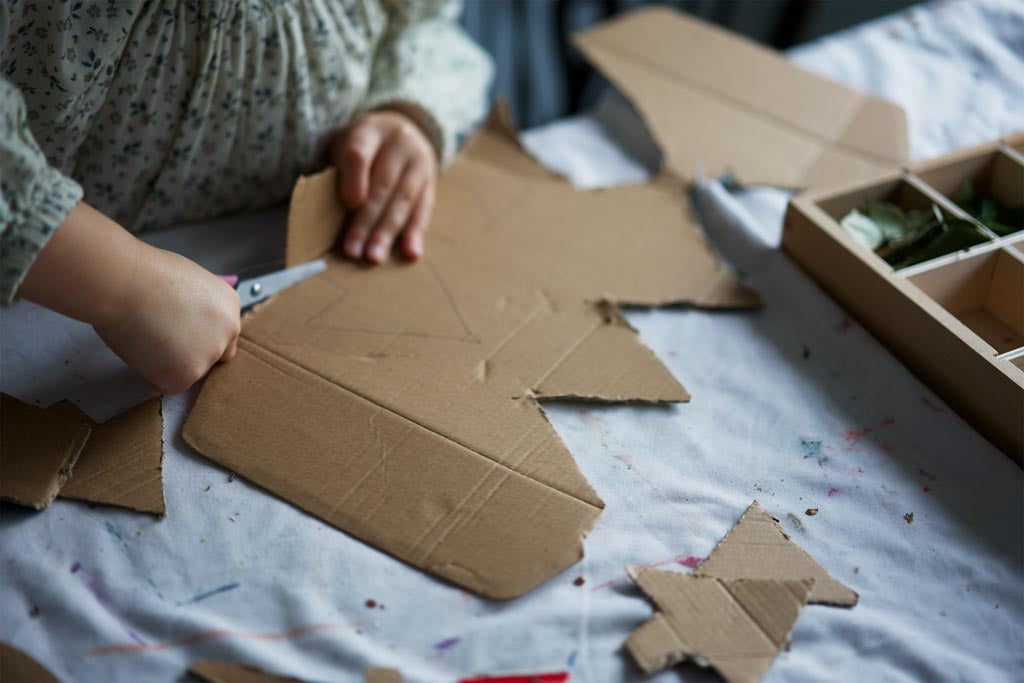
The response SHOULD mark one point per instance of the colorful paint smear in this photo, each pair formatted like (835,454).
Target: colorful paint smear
(554,677)
(199,597)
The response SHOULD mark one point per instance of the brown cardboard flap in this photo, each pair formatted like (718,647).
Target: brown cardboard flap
(224,672)
(736,626)
(758,548)
(123,460)
(717,102)
(315,218)
(18,667)
(39,449)
(383,676)
(397,402)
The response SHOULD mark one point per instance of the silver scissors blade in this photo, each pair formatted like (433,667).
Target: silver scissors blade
(256,289)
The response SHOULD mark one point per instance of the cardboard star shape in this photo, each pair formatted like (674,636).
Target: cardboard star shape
(758,548)
(736,626)
(399,403)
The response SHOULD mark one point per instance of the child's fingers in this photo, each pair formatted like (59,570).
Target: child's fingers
(358,150)
(419,223)
(395,217)
(387,169)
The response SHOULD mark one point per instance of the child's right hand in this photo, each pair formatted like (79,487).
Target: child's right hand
(165,316)
(177,321)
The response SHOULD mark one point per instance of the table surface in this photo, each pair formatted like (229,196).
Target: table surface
(795,405)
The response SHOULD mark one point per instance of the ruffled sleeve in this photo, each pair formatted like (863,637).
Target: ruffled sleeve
(427,67)
(34,197)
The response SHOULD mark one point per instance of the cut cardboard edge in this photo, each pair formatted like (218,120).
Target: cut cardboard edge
(213,671)
(99,475)
(744,623)
(447,546)
(20,667)
(37,489)
(758,548)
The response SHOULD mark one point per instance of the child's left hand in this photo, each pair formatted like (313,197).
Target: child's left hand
(388,170)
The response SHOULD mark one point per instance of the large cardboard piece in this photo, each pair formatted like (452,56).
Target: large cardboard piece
(758,548)
(122,463)
(718,102)
(39,448)
(736,626)
(399,403)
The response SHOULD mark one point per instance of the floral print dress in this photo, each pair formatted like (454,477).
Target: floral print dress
(163,111)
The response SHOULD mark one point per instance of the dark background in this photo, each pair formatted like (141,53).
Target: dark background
(544,78)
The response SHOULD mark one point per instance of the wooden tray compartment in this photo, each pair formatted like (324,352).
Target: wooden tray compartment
(985,292)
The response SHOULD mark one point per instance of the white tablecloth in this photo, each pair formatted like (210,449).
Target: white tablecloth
(795,405)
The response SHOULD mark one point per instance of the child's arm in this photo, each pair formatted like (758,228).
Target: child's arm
(165,316)
(161,313)
(428,87)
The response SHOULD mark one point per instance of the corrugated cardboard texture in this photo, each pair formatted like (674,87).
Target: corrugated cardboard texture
(718,102)
(735,626)
(38,449)
(383,676)
(123,460)
(18,667)
(758,548)
(315,206)
(398,402)
(223,672)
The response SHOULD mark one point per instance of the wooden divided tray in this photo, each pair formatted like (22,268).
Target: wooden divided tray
(956,320)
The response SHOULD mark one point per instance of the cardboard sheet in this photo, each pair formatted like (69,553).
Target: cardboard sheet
(225,672)
(736,626)
(19,667)
(399,403)
(717,102)
(758,548)
(123,460)
(39,449)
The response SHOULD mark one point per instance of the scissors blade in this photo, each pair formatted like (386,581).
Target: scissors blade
(256,289)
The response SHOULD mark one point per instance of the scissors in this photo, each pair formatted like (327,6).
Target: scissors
(253,290)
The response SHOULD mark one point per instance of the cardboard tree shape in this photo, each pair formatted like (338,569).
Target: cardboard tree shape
(122,463)
(399,403)
(758,548)
(736,626)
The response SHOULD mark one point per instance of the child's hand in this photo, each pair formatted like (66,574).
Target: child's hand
(388,170)
(178,321)
(161,313)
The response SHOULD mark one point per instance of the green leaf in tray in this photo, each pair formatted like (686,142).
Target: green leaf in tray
(992,213)
(946,237)
(864,229)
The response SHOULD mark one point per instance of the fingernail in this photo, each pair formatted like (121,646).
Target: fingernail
(354,248)
(416,246)
(378,252)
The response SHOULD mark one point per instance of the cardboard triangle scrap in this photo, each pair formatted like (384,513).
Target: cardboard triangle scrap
(61,451)
(400,403)
(736,612)
(19,667)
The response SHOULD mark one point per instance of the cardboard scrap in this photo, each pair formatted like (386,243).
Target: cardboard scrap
(383,676)
(758,548)
(398,403)
(37,451)
(718,102)
(736,626)
(224,672)
(19,667)
(122,463)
